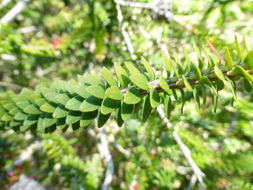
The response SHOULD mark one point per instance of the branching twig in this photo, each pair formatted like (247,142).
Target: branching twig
(104,149)
(4,3)
(134,4)
(40,72)
(192,182)
(121,149)
(18,8)
(125,34)
(186,151)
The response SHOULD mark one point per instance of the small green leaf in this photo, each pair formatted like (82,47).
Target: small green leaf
(148,68)
(200,58)
(164,85)
(174,92)
(20,116)
(73,117)
(215,99)
(167,106)
(218,73)
(114,93)
(32,109)
(96,90)
(182,99)
(6,117)
(244,73)
(62,98)
(248,85)
(102,119)
(108,105)
(90,104)
(60,112)
(147,109)
(61,123)
(40,101)
(175,68)
(75,126)
(166,60)
(245,44)
(30,120)
(14,111)
(48,107)
(178,64)
(154,98)
(206,81)
(74,104)
(126,110)
(48,121)
(248,61)
(23,104)
(15,123)
(197,71)
(81,91)
(140,80)
(119,119)
(186,83)
(91,80)
(229,61)
(238,48)
(231,85)
(122,75)
(87,118)
(51,96)
(133,96)
(204,95)
(210,64)
(131,68)
(196,98)
(108,77)
(219,85)
(9,106)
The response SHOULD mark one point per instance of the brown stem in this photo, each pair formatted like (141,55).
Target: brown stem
(175,83)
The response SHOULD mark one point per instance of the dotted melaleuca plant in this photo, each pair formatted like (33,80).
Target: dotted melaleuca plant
(132,90)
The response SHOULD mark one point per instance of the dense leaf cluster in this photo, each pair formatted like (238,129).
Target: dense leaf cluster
(78,103)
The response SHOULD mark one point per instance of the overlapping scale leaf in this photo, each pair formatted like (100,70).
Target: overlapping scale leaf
(79,103)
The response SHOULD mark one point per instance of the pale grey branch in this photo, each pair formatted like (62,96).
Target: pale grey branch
(18,8)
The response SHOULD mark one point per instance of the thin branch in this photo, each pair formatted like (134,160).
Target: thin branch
(27,29)
(214,50)
(134,4)
(125,34)
(186,151)
(18,8)
(108,158)
(40,72)
(4,3)
(121,149)
(152,6)
(192,182)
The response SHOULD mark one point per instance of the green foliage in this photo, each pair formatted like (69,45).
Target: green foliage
(59,39)
(63,103)
(68,165)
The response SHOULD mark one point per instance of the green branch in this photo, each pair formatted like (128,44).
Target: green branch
(78,103)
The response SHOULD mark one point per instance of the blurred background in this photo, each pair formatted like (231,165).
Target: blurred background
(45,40)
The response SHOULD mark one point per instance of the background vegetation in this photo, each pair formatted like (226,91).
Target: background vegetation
(59,39)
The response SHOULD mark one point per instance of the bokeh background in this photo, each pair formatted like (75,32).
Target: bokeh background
(61,39)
